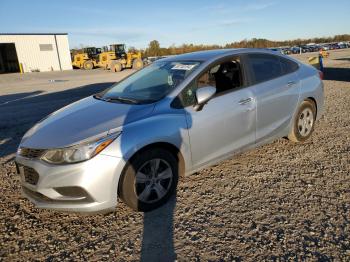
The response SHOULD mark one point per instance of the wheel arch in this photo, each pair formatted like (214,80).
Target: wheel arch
(314,101)
(163,145)
(174,150)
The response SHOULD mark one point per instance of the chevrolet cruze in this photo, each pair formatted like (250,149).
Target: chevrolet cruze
(172,118)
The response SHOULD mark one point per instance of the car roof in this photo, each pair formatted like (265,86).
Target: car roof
(213,54)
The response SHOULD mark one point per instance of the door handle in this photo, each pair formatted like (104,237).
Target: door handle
(245,101)
(291,83)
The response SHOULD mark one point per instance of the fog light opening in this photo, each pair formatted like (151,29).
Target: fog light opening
(72,192)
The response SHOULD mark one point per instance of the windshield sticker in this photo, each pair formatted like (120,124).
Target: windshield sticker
(183,67)
(170,80)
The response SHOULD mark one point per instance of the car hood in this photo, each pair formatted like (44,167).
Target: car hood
(82,120)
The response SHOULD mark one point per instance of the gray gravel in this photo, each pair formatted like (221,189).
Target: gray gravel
(282,201)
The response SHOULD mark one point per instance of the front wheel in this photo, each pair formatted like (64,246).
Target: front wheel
(137,64)
(116,66)
(88,65)
(149,179)
(304,122)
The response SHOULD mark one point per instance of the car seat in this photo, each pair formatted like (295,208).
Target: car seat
(227,77)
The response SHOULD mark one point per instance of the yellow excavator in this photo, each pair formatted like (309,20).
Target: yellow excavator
(116,58)
(86,58)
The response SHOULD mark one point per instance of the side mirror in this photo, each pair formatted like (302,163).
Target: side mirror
(203,95)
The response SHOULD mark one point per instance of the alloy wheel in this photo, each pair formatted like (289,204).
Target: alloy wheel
(153,180)
(305,122)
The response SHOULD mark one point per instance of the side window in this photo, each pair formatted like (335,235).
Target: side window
(187,96)
(224,77)
(207,79)
(264,67)
(288,66)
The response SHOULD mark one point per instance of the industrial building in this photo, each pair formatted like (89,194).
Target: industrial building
(34,52)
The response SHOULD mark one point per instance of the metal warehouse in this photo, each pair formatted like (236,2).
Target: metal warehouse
(34,53)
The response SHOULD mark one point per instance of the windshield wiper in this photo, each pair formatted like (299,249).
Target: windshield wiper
(122,99)
(99,97)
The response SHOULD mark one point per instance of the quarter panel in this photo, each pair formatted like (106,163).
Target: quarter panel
(312,86)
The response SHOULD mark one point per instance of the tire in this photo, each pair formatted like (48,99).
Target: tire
(116,66)
(143,191)
(88,65)
(137,64)
(304,122)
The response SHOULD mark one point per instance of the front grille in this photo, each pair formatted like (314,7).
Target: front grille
(30,152)
(30,175)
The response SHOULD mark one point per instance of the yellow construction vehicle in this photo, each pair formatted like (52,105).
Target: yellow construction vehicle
(86,58)
(116,58)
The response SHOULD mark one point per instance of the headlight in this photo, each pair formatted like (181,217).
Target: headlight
(78,153)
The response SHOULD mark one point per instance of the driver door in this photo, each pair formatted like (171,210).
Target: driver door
(226,123)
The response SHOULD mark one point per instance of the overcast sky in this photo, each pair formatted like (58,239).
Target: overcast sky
(136,23)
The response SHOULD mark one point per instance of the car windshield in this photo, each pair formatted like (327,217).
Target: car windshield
(151,83)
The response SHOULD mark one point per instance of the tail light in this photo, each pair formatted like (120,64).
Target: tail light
(321,75)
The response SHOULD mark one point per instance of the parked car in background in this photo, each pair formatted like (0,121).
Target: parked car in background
(286,51)
(318,48)
(172,118)
(325,47)
(303,49)
(279,50)
(313,48)
(333,46)
(295,50)
(307,48)
(342,45)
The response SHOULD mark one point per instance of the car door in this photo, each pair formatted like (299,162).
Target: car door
(224,125)
(277,88)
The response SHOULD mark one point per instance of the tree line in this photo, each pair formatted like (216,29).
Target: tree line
(154,48)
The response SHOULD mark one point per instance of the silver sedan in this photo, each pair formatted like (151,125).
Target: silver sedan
(172,118)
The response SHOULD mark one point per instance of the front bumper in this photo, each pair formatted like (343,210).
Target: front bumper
(90,186)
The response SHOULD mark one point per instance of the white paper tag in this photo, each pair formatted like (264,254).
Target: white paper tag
(182,67)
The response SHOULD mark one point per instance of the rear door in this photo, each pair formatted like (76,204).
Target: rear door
(277,88)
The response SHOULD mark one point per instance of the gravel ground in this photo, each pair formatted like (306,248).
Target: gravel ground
(282,201)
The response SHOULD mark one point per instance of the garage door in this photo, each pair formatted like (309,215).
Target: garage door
(8,58)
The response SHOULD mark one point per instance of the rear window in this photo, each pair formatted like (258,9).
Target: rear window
(288,66)
(264,67)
